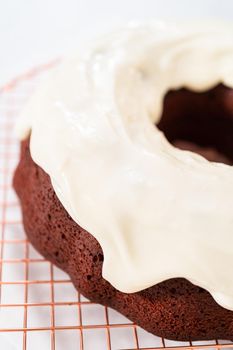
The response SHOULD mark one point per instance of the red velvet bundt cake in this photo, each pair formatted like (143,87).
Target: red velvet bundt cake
(126,179)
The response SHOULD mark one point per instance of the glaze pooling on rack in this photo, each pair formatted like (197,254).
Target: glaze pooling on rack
(92,130)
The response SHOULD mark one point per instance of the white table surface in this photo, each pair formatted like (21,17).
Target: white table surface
(36,31)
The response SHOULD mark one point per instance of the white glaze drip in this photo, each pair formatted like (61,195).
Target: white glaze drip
(158,212)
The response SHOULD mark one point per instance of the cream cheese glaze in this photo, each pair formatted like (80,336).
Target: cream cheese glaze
(157,212)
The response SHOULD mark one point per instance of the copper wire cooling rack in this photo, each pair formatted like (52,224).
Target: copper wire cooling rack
(40,308)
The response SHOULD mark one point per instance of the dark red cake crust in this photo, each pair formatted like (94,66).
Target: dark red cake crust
(174,309)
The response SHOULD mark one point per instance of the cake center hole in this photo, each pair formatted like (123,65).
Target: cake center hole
(200,122)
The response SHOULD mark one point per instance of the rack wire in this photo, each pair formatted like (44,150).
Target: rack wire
(39,307)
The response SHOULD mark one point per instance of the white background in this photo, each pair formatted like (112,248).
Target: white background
(35,31)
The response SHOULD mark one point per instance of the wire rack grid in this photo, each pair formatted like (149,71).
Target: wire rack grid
(39,307)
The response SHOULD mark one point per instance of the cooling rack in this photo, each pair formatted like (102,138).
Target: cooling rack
(39,307)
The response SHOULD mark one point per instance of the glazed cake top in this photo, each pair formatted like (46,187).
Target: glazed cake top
(157,212)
